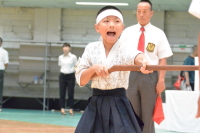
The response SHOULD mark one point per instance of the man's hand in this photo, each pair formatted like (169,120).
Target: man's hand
(160,87)
(187,78)
(187,83)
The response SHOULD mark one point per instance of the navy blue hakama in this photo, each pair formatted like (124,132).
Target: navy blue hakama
(109,111)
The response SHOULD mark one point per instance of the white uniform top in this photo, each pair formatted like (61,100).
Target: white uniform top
(67,63)
(156,44)
(4,59)
(119,55)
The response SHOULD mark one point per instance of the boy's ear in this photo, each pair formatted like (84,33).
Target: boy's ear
(96,26)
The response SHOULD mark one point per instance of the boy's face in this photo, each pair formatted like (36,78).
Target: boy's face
(144,13)
(110,29)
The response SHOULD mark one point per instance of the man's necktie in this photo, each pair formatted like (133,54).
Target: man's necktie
(141,40)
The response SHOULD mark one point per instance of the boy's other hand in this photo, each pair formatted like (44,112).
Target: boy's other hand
(101,70)
(143,68)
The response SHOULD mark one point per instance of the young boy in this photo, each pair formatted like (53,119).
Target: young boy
(108,110)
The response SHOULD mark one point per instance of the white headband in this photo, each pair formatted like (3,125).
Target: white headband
(109,12)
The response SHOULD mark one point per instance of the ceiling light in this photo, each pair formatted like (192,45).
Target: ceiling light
(99,3)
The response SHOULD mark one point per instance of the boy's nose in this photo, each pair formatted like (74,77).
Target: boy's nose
(111,24)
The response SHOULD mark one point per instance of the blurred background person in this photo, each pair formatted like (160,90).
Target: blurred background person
(4,60)
(189,75)
(67,61)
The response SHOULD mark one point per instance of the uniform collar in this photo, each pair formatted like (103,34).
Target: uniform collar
(69,54)
(106,60)
(146,27)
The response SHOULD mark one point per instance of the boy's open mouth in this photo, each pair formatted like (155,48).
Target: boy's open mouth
(111,33)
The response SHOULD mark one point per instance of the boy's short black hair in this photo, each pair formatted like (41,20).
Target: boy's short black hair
(66,45)
(148,2)
(106,8)
(1,40)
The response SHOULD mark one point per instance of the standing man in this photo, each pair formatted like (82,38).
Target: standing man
(189,75)
(144,89)
(4,60)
